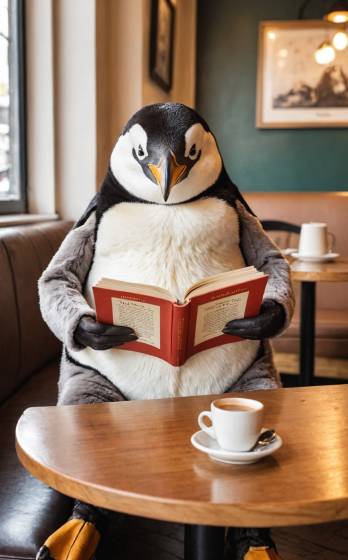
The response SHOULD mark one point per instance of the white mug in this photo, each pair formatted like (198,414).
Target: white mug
(314,240)
(236,422)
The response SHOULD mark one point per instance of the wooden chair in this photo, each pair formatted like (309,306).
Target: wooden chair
(284,227)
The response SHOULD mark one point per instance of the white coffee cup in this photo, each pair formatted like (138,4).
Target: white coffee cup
(314,240)
(236,422)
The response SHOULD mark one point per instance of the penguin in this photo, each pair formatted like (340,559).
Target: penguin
(167,214)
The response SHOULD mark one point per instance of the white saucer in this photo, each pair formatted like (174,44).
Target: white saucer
(203,442)
(323,258)
(289,250)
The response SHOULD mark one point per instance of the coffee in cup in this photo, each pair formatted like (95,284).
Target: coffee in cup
(236,422)
(233,406)
(314,240)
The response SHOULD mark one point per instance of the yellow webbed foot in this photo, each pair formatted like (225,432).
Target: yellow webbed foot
(261,553)
(75,540)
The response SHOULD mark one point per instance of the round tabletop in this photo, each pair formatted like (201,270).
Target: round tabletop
(334,271)
(136,457)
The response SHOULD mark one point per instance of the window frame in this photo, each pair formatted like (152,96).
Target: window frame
(20,205)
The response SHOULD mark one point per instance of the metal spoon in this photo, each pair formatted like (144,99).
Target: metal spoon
(264,439)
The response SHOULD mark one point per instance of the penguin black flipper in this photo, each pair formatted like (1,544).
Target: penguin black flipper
(92,206)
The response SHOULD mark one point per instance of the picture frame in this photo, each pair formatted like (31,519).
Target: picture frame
(162,43)
(293,90)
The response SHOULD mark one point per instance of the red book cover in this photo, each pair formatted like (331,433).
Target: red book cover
(180,326)
(173,331)
(108,312)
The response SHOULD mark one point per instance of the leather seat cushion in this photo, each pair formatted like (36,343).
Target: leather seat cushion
(26,344)
(29,510)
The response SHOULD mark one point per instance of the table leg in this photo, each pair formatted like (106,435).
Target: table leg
(307,334)
(203,542)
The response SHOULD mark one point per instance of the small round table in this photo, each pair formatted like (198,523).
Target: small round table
(309,274)
(136,457)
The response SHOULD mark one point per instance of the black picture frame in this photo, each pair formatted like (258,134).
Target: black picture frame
(162,43)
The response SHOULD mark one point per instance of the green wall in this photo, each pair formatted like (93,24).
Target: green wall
(258,160)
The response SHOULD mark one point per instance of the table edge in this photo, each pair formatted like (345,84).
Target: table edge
(179,511)
(315,276)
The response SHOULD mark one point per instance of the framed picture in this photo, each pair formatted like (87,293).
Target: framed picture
(293,90)
(162,42)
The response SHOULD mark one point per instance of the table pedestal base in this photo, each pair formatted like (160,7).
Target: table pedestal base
(307,334)
(203,542)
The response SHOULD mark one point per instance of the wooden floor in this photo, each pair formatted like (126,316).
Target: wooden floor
(143,539)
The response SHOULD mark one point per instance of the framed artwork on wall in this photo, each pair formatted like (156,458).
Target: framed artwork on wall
(162,42)
(293,89)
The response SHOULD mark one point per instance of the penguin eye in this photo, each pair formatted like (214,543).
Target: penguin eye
(140,152)
(193,152)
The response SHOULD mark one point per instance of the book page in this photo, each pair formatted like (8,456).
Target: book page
(213,316)
(134,288)
(144,318)
(223,281)
(226,278)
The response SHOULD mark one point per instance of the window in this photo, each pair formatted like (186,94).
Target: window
(12,110)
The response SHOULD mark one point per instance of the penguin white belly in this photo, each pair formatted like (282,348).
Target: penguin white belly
(171,247)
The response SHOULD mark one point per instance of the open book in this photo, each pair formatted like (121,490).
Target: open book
(175,331)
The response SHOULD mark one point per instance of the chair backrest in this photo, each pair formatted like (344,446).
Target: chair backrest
(284,234)
(279,225)
(26,343)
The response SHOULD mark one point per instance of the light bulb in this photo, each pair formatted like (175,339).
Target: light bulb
(338,12)
(338,17)
(325,53)
(340,40)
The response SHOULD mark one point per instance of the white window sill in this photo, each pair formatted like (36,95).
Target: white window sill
(22,219)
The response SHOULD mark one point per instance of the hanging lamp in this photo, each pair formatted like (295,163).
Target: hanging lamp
(338,12)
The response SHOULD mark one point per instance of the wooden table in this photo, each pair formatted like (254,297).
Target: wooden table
(309,274)
(136,457)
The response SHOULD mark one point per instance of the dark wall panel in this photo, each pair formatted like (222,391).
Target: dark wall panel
(259,160)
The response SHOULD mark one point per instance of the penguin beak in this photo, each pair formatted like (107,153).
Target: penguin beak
(168,173)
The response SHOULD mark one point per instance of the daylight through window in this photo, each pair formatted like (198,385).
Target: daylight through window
(12,180)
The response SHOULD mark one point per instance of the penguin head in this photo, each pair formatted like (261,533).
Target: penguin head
(166,154)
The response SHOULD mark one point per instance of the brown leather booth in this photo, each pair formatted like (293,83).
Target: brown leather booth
(29,355)
(332,298)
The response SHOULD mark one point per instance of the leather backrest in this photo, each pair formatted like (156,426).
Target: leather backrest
(298,208)
(26,343)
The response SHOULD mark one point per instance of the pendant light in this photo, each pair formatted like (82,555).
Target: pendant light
(340,40)
(338,13)
(325,53)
